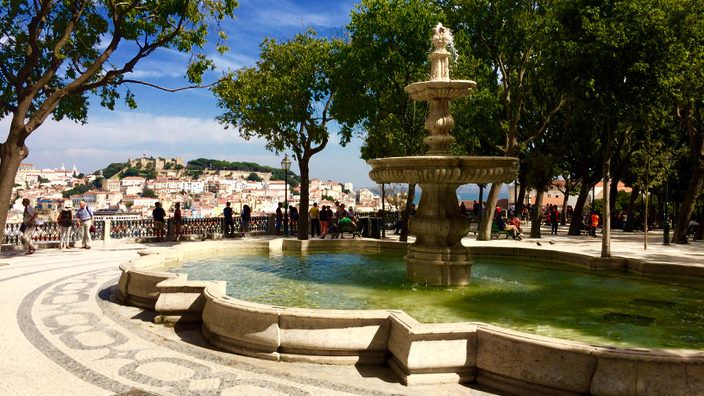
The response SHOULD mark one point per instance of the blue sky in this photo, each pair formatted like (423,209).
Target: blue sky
(183,124)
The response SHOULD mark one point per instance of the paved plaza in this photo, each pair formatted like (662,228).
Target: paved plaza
(64,334)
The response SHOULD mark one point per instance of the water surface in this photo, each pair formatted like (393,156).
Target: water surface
(597,308)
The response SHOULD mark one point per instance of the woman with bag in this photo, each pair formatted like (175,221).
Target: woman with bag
(65,221)
(29,221)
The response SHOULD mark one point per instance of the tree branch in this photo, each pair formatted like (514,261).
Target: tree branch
(546,121)
(128,81)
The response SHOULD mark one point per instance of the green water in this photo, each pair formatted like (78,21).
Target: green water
(597,308)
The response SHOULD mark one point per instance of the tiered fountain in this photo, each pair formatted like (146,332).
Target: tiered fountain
(438,257)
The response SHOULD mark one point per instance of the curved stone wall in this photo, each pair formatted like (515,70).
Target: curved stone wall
(419,353)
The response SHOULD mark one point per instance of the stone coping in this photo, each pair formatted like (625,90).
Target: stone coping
(419,353)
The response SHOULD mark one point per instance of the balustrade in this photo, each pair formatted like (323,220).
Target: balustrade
(49,232)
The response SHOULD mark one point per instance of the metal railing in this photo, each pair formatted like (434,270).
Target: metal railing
(49,232)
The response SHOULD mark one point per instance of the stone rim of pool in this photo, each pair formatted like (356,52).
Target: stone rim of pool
(418,352)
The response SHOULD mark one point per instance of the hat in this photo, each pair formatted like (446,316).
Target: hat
(68,205)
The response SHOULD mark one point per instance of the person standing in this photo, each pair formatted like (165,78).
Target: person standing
(65,221)
(314,214)
(85,218)
(279,218)
(159,216)
(324,221)
(29,222)
(229,220)
(178,221)
(554,219)
(245,218)
(594,223)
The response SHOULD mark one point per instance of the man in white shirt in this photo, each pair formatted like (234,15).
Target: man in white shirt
(85,217)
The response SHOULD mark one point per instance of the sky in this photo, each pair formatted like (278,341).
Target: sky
(183,124)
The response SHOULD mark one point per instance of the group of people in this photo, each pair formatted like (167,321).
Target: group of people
(83,217)
(324,220)
(245,220)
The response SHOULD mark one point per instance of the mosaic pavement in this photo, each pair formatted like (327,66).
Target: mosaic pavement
(64,334)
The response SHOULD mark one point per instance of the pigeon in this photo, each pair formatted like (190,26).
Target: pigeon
(539,244)
(551,242)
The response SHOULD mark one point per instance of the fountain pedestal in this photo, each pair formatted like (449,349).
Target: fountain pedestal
(437,257)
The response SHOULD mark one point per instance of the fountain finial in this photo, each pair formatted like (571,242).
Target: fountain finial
(439,58)
(442,37)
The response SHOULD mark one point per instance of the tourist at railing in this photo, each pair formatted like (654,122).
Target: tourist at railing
(314,215)
(65,221)
(229,220)
(85,217)
(177,221)
(159,216)
(279,218)
(29,221)
(245,219)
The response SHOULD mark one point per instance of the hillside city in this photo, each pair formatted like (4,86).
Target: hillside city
(123,197)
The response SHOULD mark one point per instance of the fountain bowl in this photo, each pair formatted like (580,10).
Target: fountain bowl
(438,169)
(439,89)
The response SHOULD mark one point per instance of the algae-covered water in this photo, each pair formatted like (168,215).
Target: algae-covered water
(597,308)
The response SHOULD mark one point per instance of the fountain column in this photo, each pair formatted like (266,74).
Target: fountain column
(438,257)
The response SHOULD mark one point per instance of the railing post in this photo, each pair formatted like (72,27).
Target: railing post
(107,226)
(271,224)
(169,229)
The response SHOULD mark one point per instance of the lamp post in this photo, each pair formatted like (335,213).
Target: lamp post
(286,165)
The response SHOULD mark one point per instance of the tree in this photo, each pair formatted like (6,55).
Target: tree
(55,55)
(682,80)
(254,177)
(149,193)
(511,38)
(388,50)
(286,101)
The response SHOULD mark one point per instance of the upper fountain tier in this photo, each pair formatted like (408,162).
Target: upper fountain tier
(440,86)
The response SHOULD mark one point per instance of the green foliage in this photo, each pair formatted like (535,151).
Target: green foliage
(112,169)
(97,183)
(195,168)
(56,54)
(80,189)
(149,193)
(148,173)
(43,179)
(388,49)
(254,177)
(285,98)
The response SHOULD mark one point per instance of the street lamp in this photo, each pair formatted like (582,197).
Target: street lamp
(286,165)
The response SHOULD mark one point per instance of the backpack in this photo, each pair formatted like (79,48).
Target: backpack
(65,218)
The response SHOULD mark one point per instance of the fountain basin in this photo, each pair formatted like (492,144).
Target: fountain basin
(430,353)
(437,169)
(437,90)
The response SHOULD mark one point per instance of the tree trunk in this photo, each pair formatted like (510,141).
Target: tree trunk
(606,224)
(563,215)
(577,214)
(11,155)
(383,211)
(304,167)
(687,206)
(536,216)
(405,213)
(645,221)
(481,202)
(521,198)
(484,233)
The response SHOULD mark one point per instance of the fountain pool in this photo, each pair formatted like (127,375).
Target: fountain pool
(595,308)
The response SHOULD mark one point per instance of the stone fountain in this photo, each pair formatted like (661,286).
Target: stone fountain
(438,257)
